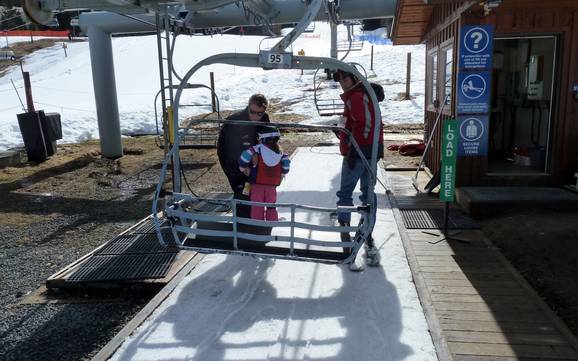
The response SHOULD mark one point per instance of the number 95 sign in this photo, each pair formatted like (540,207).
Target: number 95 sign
(275,58)
(270,60)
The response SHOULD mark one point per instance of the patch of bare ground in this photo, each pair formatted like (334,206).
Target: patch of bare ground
(393,159)
(406,128)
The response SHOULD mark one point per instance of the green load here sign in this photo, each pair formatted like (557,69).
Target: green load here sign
(449,155)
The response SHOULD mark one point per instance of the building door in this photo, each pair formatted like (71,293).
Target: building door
(522,103)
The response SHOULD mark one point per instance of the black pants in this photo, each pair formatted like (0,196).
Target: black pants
(237,182)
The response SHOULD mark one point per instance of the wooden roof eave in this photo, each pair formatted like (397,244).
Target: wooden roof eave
(433,29)
(411,22)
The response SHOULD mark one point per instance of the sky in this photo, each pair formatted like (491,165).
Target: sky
(64,84)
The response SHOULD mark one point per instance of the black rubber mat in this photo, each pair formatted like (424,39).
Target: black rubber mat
(142,243)
(433,218)
(131,256)
(214,207)
(124,267)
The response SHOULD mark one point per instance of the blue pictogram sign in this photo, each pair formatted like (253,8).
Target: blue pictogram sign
(473,139)
(476,47)
(473,92)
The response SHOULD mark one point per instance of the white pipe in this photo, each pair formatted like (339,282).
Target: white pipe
(104,84)
(290,11)
(99,26)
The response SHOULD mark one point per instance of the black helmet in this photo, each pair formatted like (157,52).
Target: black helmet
(339,74)
(268,134)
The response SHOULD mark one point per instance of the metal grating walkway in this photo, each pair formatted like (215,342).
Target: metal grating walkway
(124,267)
(433,218)
(132,256)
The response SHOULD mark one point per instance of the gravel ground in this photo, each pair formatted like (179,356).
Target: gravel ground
(53,331)
(42,233)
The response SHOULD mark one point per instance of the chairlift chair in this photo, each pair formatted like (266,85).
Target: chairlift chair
(210,232)
(351,43)
(198,137)
(327,106)
(227,233)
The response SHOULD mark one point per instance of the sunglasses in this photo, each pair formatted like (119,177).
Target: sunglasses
(256,113)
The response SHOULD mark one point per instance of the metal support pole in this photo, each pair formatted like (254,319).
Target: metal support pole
(408,77)
(292,234)
(234,209)
(333,52)
(371,64)
(104,82)
(28,90)
(213,99)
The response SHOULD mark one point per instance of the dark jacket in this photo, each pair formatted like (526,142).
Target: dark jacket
(234,139)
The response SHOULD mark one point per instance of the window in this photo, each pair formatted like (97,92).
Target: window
(440,76)
(448,56)
(432,75)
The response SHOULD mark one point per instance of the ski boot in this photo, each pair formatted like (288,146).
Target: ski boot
(372,256)
(355,265)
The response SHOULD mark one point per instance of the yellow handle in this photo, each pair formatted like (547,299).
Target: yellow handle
(171,126)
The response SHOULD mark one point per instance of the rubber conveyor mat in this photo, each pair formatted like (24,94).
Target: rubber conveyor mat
(131,256)
(433,218)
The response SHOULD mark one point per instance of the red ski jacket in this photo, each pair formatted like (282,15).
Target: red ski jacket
(360,121)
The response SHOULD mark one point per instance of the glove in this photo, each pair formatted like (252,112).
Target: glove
(341,123)
(245,171)
(351,160)
(255,160)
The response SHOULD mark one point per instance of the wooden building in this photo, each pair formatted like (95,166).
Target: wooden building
(533,117)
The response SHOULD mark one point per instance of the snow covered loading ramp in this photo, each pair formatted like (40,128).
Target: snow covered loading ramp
(245,308)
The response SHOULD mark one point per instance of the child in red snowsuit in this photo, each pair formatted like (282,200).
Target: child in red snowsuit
(265,165)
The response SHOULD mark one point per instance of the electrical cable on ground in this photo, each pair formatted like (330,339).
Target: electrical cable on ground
(194,194)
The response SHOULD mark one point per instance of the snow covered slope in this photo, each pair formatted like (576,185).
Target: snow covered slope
(64,84)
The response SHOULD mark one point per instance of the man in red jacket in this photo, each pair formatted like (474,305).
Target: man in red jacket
(360,121)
